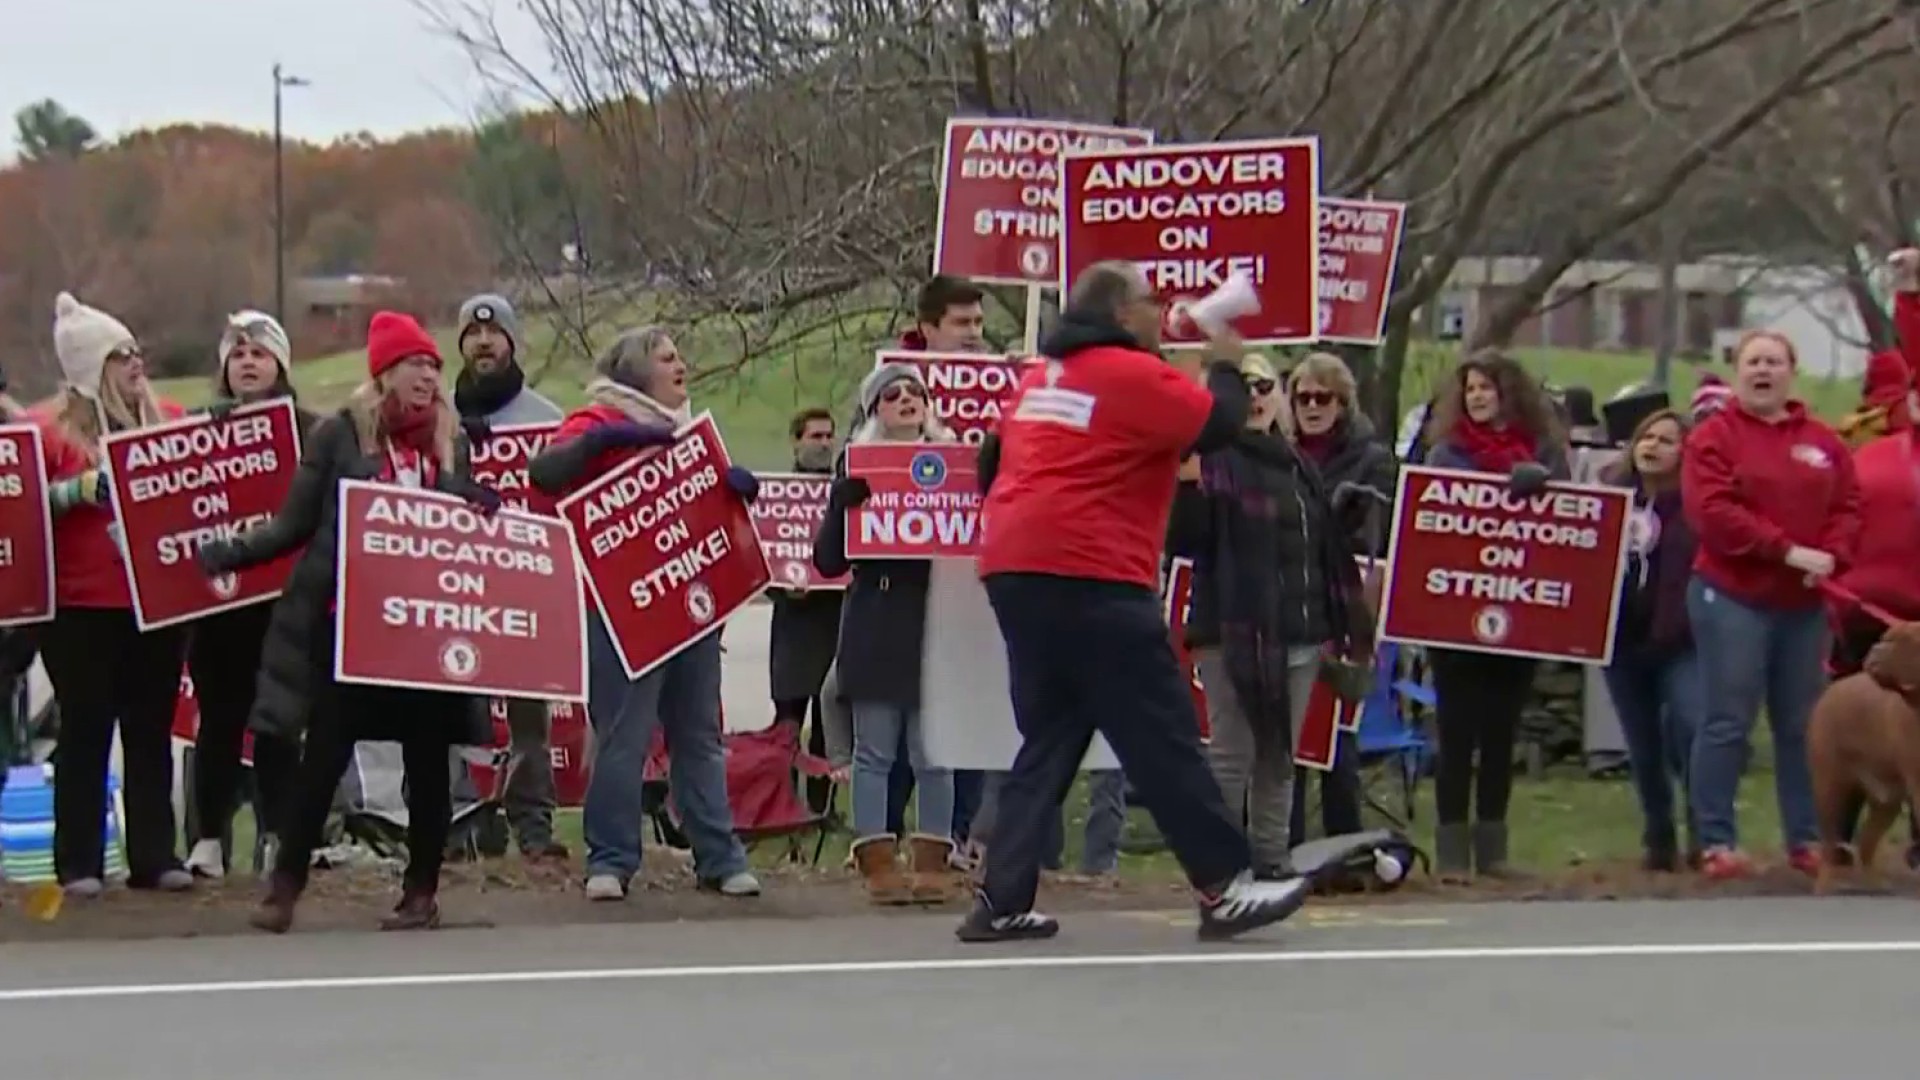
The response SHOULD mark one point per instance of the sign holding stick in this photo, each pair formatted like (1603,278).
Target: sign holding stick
(925,502)
(433,595)
(1359,247)
(181,484)
(500,461)
(1473,566)
(1192,217)
(670,551)
(1000,196)
(26,528)
(787,517)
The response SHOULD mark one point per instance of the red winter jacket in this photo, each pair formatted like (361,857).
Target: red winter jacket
(1754,489)
(1886,568)
(88,571)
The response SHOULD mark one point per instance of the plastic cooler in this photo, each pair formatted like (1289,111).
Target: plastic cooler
(26,827)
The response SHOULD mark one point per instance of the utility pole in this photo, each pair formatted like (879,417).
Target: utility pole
(281,81)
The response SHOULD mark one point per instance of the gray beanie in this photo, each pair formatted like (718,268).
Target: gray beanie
(494,309)
(883,376)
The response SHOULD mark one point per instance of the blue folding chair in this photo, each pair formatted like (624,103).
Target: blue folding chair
(1390,739)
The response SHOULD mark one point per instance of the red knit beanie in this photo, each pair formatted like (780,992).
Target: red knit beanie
(393,337)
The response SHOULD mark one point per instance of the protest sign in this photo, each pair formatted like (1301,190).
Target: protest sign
(1193,216)
(500,460)
(786,518)
(670,550)
(434,595)
(26,528)
(925,502)
(969,391)
(999,217)
(567,740)
(1473,566)
(1317,743)
(1359,246)
(1176,598)
(189,482)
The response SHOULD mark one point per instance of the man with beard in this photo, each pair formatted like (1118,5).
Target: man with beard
(491,392)
(806,624)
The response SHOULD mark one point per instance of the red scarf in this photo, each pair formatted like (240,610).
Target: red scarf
(409,431)
(1318,447)
(1492,449)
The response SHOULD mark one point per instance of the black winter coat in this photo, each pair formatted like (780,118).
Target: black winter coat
(883,618)
(299,646)
(1358,456)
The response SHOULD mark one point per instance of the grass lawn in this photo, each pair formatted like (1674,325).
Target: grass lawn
(753,399)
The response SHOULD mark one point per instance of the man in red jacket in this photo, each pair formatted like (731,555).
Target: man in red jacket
(1080,480)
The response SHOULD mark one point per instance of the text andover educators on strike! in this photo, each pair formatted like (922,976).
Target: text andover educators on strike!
(1465,503)
(629,508)
(521,553)
(201,458)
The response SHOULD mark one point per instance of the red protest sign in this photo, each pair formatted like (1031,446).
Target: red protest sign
(182,484)
(1176,598)
(670,551)
(1473,566)
(26,528)
(1000,195)
(566,748)
(1193,216)
(1317,743)
(786,517)
(1359,245)
(969,390)
(925,502)
(434,595)
(500,460)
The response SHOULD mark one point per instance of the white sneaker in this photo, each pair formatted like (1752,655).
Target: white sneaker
(208,860)
(1246,904)
(605,887)
(85,888)
(740,884)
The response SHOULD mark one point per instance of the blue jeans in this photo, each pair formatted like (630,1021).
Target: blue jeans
(1106,821)
(1750,656)
(683,694)
(877,730)
(1660,701)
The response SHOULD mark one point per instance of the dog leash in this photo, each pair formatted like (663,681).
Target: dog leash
(1840,594)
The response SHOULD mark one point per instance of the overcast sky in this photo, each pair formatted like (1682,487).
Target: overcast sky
(376,65)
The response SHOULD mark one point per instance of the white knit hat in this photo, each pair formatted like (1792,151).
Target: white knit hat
(261,329)
(82,339)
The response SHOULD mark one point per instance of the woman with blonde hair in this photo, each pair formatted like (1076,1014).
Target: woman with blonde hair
(396,428)
(104,670)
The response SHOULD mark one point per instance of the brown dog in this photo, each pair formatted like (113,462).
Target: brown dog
(1864,736)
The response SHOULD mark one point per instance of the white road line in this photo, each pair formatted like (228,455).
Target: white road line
(983,963)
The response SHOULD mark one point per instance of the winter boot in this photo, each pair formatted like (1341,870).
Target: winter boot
(876,857)
(934,878)
(1660,852)
(1453,854)
(274,914)
(417,910)
(1490,850)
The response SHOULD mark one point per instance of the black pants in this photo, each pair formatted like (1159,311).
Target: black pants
(1339,793)
(1858,633)
(105,671)
(344,715)
(795,711)
(223,657)
(1085,657)
(1481,696)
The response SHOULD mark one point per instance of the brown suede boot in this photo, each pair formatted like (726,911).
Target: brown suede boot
(274,913)
(935,881)
(877,859)
(416,911)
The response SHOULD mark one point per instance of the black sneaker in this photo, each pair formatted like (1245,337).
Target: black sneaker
(1246,904)
(982,925)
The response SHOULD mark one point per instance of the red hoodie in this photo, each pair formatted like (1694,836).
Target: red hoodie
(1755,489)
(88,571)
(1885,569)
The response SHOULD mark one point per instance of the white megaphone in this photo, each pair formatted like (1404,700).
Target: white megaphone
(1215,312)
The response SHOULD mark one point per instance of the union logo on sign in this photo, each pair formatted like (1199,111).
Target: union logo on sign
(224,586)
(929,470)
(1491,624)
(796,574)
(700,605)
(1037,260)
(459,660)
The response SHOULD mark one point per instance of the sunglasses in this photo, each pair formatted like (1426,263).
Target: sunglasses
(1261,386)
(899,390)
(1314,398)
(125,353)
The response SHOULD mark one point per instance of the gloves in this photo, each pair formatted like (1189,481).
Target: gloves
(221,409)
(848,492)
(95,490)
(1528,478)
(743,482)
(626,434)
(218,557)
(482,498)
(1810,561)
(478,428)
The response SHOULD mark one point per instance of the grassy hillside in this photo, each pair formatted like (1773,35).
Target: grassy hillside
(754,401)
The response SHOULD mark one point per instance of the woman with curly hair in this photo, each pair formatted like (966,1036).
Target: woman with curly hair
(1492,417)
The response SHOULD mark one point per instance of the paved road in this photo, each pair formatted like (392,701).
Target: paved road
(1535,991)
